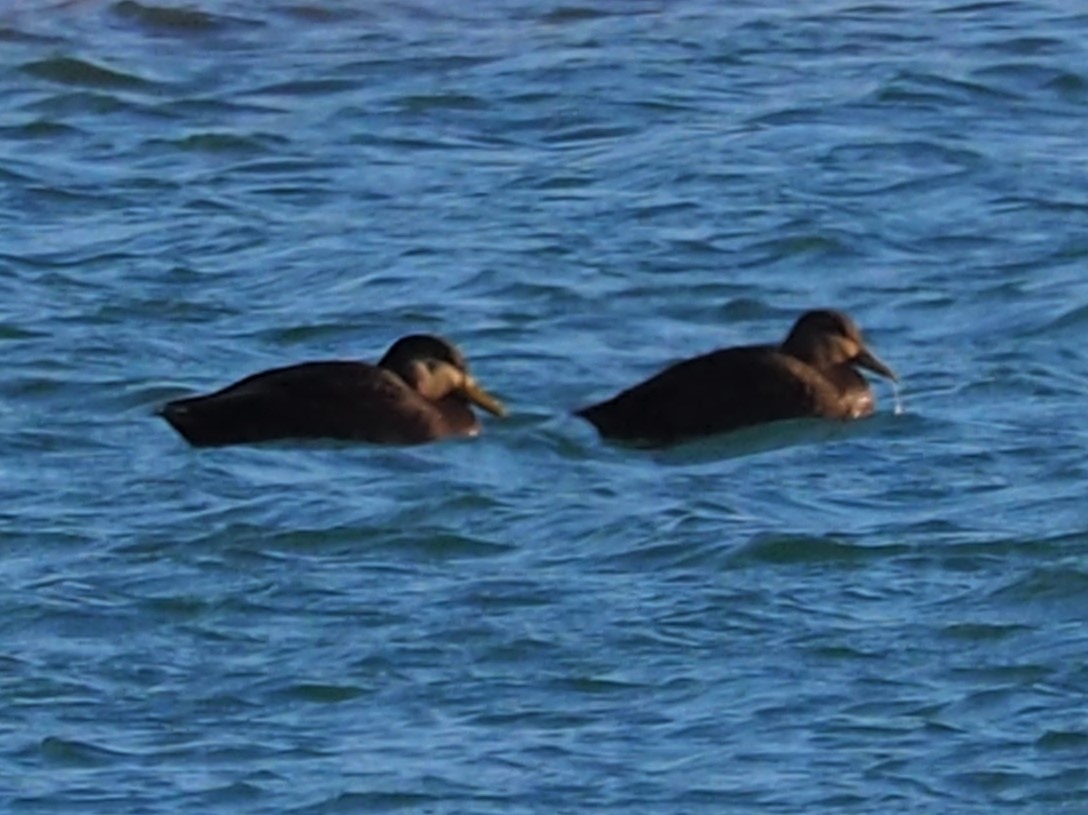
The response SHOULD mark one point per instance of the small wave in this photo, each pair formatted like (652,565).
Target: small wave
(582,134)
(444,545)
(1034,81)
(983,7)
(925,88)
(281,166)
(77,102)
(82,73)
(74,753)
(306,87)
(572,14)
(1046,584)
(165,19)
(856,169)
(983,632)
(824,245)
(793,116)
(1028,45)
(213,142)
(377,801)
(787,549)
(10,332)
(1068,320)
(657,555)
(323,693)
(41,129)
(232,793)
(1062,740)
(422,103)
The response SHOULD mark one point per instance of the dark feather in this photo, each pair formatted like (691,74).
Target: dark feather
(743,386)
(336,399)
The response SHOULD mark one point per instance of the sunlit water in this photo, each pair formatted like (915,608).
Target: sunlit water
(880,617)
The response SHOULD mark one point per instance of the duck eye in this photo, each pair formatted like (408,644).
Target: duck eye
(439,368)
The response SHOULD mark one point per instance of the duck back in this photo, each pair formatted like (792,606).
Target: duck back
(338,400)
(717,392)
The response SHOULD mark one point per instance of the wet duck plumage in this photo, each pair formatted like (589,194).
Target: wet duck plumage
(420,391)
(813,373)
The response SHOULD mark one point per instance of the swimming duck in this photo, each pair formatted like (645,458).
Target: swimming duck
(813,373)
(419,391)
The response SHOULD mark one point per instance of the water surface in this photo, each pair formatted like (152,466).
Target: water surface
(880,617)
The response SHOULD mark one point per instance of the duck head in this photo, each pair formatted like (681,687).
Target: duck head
(436,369)
(826,339)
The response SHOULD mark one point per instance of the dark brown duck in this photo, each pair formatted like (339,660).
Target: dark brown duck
(814,373)
(421,390)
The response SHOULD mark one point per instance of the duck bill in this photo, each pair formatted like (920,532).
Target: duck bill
(867,359)
(478,396)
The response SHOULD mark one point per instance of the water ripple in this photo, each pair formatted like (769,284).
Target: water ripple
(72,71)
(578,195)
(169,20)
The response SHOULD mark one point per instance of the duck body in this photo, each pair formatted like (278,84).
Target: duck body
(812,374)
(419,392)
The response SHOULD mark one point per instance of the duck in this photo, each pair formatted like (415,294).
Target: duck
(813,373)
(420,391)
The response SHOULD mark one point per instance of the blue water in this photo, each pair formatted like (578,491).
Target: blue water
(882,617)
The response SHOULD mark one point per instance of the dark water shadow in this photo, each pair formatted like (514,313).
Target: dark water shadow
(771,437)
